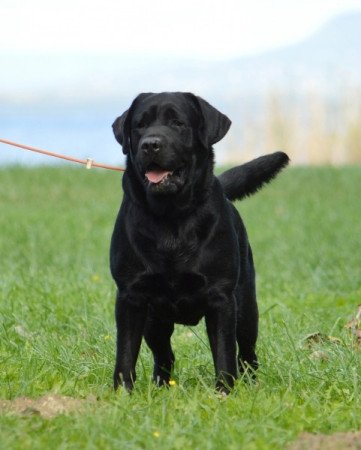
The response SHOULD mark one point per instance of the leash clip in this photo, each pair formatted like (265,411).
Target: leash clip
(89,163)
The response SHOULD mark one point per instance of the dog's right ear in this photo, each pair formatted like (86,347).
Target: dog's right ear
(121,131)
(121,125)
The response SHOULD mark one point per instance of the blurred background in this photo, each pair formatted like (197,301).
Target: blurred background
(287,73)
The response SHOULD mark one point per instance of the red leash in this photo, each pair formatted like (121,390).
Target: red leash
(89,163)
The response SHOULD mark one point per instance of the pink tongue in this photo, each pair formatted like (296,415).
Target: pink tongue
(156,176)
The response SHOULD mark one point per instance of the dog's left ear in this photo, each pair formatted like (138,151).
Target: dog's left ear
(215,124)
(120,131)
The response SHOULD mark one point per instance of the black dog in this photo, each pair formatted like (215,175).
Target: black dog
(179,250)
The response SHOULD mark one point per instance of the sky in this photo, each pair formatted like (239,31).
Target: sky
(204,29)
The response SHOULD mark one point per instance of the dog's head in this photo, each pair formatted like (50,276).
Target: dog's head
(167,136)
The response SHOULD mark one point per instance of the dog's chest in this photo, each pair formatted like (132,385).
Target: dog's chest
(176,247)
(167,248)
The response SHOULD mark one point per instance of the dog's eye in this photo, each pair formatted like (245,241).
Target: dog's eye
(140,125)
(177,123)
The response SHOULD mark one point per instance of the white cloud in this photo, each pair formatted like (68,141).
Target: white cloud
(200,28)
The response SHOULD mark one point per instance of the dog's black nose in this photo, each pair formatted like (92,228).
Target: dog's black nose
(151,144)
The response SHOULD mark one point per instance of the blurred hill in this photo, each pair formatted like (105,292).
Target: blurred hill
(327,60)
(290,97)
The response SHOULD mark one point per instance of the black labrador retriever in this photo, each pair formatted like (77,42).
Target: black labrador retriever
(179,250)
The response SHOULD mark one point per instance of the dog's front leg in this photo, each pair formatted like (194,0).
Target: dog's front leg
(130,320)
(221,329)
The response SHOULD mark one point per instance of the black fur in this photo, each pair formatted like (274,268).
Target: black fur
(247,179)
(179,249)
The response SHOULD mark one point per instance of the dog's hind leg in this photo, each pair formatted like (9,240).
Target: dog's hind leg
(157,335)
(247,319)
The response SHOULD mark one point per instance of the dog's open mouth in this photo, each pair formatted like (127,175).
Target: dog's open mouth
(157,175)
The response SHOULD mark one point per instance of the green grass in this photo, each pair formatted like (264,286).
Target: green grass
(57,327)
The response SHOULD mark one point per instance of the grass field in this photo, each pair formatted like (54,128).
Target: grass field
(57,326)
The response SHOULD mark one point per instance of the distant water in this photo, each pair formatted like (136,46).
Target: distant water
(83,132)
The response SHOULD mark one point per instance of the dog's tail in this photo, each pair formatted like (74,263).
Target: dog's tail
(244,180)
